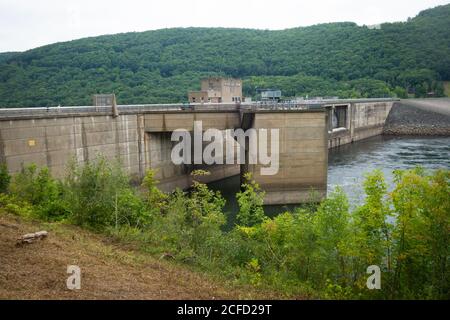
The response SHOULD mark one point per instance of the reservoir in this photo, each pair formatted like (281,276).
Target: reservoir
(349,164)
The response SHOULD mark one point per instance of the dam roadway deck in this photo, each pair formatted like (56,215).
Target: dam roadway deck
(139,136)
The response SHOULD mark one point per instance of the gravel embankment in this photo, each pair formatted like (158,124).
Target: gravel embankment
(419,117)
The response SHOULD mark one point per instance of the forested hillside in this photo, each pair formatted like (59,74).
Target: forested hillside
(4,56)
(336,59)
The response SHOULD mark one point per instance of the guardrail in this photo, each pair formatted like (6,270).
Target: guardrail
(123,109)
(285,105)
(6,113)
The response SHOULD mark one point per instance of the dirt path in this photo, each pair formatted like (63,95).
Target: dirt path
(38,270)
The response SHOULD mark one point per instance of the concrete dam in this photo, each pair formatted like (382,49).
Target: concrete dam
(139,136)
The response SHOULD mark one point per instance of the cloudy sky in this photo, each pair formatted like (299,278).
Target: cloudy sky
(26,24)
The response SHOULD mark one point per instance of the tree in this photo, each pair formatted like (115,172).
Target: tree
(250,200)
(421,234)
(332,229)
(337,59)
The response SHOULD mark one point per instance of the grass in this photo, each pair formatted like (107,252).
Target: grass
(110,270)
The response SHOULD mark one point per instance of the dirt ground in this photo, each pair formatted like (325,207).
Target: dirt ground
(39,270)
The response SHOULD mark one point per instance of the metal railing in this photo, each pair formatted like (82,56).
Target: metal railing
(123,109)
(68,111)
(6,113)
(281,105)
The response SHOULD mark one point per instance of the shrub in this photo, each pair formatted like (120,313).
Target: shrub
(250,200)
(99,195)
(190,225)
(38,188)
(5,178)
(155,199)
(13,205)
(421,238)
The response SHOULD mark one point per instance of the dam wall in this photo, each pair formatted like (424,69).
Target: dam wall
(53,142)
(140,138)
(354,120)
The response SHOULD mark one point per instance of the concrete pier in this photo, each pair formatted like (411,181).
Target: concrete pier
(303,156)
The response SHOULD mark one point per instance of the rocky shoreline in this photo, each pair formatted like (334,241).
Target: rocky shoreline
(412,118)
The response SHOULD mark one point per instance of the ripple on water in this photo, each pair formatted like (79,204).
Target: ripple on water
(387,154)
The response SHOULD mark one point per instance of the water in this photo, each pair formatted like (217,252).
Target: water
(349,164)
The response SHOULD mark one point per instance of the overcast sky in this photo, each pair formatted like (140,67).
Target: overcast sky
(26,24)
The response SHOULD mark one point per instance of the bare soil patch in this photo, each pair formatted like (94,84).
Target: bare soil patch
(38,270)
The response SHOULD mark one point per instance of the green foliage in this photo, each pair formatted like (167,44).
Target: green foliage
(333,232)
(400,92)
(5,56)
(190,225)
(161,66)
(250,200)
(320,252)
(5,178)
(373,231)
(404,232)
(313,86)
(37,187)
(99,195)
(156,199)
(11,204)
(421,237)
